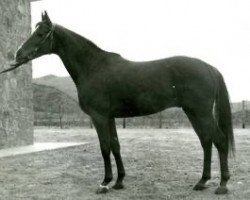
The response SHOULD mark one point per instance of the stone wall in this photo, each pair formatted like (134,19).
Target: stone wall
(16,103)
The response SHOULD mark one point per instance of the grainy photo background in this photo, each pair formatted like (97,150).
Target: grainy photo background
(162,154)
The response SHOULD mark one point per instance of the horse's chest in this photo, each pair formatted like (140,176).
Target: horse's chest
(92,100)
(83,106)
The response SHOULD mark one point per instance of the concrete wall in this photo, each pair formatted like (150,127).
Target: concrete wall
(16,104)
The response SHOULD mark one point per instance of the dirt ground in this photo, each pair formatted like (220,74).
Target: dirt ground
(160,164)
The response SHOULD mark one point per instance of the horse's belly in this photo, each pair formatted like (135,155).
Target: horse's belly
(142,105)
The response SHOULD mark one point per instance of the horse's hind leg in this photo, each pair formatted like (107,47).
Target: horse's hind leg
(115,148)
(204,126)
(222,148)
(206,175)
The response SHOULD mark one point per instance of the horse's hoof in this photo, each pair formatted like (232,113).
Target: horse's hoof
(102,189)
(199,187)
(118,186)
(221,190)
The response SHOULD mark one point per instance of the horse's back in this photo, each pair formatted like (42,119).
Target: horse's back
(192,80)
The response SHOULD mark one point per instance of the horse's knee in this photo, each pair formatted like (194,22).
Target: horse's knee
(105,151)
(116,151)
(115,145)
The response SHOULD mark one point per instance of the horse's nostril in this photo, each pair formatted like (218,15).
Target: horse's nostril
(18,54)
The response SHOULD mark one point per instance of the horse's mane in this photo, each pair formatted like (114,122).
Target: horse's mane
(84,41)
(80,39)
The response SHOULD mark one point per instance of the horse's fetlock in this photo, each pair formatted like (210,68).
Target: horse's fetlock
(206,177)
(121,175)
(108,179)
(226,176)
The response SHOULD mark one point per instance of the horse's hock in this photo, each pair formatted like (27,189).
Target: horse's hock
(16,99)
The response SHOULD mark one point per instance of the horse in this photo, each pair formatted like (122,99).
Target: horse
(110,87)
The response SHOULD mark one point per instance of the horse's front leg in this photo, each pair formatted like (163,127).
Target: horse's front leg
(115,148)
(101,124)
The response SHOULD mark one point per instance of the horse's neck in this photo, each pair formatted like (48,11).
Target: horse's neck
(78,54)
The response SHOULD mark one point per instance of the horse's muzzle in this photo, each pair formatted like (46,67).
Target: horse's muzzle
(20,61)
(16,64)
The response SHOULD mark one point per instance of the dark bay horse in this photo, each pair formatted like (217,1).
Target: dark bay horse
(110,87)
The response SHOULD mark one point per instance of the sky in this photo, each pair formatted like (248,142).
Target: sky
(215,31)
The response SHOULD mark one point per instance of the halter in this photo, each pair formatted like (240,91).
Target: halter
(50,36)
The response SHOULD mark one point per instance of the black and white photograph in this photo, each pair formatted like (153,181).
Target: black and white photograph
(118,100)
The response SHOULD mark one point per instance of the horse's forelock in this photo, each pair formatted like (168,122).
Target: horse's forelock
(41,23)
(38,24)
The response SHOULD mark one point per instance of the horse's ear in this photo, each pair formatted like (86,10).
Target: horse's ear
(42,15)
(46,19)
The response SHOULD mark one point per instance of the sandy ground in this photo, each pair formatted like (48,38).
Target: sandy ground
(160,164)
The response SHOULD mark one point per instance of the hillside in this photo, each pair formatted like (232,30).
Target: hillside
(173,117)
(64,84)
(54,107)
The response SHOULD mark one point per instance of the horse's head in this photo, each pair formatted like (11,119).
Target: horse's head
(38,44)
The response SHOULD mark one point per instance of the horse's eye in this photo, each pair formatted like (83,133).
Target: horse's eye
(39,34)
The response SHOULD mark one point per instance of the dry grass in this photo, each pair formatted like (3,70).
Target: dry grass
(160,164)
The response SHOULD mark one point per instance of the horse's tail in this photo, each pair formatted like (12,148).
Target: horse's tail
(224,115)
